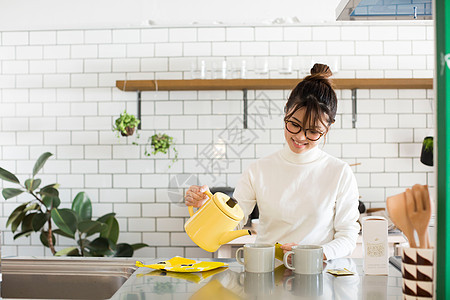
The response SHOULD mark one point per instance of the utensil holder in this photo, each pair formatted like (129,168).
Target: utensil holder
(417,273)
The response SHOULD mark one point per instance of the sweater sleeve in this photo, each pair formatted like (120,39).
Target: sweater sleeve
(245,195)
(346,227)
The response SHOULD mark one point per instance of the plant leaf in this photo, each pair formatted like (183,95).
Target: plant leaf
(138,246)
(111,231)
(70,251)
(90,227)
(16,212)
(33,206)
(65,219)
(124,250)
(40,162)
(82,206)
(10,193)
(23,233)
(44,238)
(39,221)
(49,191)
(32,184)
(53,185)
(106,217)
(99,244)
(15,224)
(27,222)
(51,201)
(62,233)
(8,176)
(100,247)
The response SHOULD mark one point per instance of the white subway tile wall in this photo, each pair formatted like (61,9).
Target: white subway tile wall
(58,94)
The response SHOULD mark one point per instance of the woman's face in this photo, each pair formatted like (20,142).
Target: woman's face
(298,142)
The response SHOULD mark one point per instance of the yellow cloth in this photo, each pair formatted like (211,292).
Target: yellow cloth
(184,265)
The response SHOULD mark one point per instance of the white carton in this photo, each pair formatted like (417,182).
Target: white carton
(375,245)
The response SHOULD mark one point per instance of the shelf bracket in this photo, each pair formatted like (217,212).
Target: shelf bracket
(245,108)
(354,98)
(139,101)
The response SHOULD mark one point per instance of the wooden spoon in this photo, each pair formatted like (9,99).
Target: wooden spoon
(396,207)
(418,207)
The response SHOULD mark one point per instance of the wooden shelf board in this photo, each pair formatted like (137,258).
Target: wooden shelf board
(269,84)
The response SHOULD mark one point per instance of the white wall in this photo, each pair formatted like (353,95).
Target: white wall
(58,94)
(63,14)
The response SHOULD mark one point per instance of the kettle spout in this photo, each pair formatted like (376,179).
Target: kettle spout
(231,235)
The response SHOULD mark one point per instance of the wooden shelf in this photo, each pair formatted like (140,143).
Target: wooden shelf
(269,84)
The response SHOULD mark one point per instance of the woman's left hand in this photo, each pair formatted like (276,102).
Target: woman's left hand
(287,247)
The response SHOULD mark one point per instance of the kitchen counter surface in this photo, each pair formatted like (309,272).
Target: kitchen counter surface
(234,283)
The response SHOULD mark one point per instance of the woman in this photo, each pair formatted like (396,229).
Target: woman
(304,195)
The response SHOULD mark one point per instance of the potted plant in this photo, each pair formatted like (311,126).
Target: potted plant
(126,124)
(426,157)
(93,237)
(161,143)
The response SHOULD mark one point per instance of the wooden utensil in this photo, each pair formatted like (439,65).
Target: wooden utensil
(427,200)
(418,208)
(396,207)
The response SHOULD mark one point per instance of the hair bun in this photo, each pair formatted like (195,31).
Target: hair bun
(321,70)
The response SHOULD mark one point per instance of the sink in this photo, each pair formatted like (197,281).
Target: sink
(64,278)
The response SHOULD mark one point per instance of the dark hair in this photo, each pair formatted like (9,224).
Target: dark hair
(316,93)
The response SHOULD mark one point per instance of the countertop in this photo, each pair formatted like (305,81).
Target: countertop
(234,283)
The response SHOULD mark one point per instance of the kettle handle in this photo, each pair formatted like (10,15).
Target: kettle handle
(191,208)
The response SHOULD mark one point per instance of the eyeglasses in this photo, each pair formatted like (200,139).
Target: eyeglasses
(310,134)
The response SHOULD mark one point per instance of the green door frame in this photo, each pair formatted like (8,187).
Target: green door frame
(442,85)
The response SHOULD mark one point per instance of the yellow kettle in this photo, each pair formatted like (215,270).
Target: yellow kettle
(212,225)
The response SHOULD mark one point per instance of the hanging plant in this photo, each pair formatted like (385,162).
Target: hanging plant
(126,124)
(426,156)
(161,143)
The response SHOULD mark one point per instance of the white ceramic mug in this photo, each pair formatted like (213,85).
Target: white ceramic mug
(306,259)
(258,258)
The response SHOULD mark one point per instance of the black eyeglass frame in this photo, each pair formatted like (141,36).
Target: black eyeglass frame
(300,129)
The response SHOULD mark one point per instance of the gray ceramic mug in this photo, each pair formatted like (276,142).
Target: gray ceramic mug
(258,258)
(306,259)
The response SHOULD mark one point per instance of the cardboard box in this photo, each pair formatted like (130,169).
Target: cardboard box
(375,245)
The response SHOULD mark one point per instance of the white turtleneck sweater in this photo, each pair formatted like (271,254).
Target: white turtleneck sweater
(309,198)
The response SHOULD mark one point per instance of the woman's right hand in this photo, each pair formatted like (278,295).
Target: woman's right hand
(195,195)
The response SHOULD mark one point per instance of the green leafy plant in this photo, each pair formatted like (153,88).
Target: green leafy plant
(125,124)
(428,143)
(161,143)
(93,237)
(426,156)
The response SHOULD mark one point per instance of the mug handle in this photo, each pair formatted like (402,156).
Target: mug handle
(238,255)
(240,277)
(285,262)
(286,283)
(191,208)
